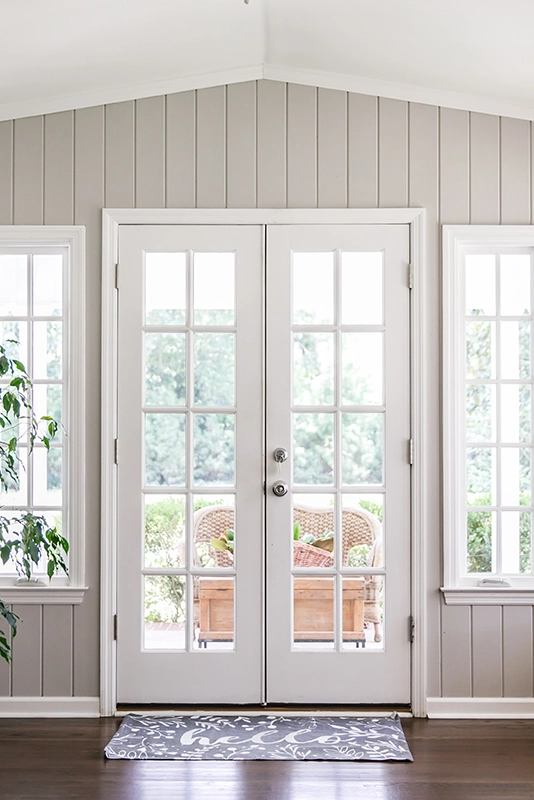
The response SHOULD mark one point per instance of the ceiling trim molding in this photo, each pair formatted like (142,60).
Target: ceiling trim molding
(324,80)
(119,94)
(399,91)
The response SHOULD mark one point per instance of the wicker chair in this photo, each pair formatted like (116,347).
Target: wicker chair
(359,527)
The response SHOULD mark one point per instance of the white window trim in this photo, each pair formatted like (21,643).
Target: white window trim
(62,590)
(458,590)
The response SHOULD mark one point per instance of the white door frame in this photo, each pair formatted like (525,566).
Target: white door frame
(111,220)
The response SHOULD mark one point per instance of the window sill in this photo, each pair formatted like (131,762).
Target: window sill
(42,595)
(482,596)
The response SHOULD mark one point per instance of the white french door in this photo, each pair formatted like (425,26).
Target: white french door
(263,555)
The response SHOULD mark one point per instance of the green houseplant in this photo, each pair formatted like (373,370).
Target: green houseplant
(27,538)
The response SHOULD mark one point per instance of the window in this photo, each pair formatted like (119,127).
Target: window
(42,313)
(488,430)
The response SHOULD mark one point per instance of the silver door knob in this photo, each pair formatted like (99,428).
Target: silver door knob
(280,488)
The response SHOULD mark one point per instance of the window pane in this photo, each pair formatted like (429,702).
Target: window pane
(510,541)
(313,369)
(480,476)
(214,364)
(48,285)
(47,401)
(313,449)
(313,288)
(14,283)
(214,600)
(313,613)
(362,517)
(515,350)
(214,286)
(361,288)
(214,532)
(47,471)
(362,449)
(362,368)
(515,476)
(313,530)
(515,284)
(363,612)
(214,450)
(47,350)
(480,525)
(165,609)
(480,412)
(525,542)
(165,369)
(164,531)
(165,289)
(164,450)
(480,284)
(480,349)
(18,496)
(14,337)
(515,413)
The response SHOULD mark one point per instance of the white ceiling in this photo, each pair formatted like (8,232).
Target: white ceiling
(63,54)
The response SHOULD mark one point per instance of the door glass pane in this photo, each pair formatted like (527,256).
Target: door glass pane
(480,349)
(313,369)
(362,458)
(480,285)
(361,520)
(47,476)
(214,534)
(313,613)
(165,369)
(480,527)
(363,612)
(47,349)
(361,288)
(47,285)
(214,287)
(515,284)
(213,438)
(481,476)
(214,365)
(165,290)
(165,605)
(313,530)
(515,349)
(313,288)
(14,283)
(164,531)
(362,368)
(313,449)
(515,476)
(214,613)
(164,450)
(515,413)
(480,412)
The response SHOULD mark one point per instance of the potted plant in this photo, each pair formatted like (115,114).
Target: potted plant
(27,538)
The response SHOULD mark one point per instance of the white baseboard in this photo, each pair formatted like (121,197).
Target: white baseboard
(49,707)
(480,707)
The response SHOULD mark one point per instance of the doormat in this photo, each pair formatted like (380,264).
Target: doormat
(259,738)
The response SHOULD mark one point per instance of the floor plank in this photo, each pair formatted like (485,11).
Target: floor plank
(454,760)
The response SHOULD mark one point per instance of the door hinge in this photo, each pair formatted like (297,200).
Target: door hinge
(410,276)
(410,451)
(117,275)
(114,627)
(116,451)
(412,629)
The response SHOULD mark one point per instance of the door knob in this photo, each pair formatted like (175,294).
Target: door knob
(280,488)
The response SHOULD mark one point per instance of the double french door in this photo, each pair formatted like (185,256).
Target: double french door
(263,471)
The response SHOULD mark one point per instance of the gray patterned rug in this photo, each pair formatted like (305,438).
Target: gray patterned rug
(258,738)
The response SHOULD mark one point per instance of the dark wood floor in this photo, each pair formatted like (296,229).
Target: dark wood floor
(63,760)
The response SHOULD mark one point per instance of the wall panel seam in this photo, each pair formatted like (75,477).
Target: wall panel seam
(256,126)
(225,145)
(471,656)
(469,169)
(195,149)
(41,649)
(165,153)
(286,155)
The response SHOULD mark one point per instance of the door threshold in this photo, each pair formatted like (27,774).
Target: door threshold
(171,709)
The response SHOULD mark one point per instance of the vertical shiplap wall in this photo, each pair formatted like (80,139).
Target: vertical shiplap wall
(269,144)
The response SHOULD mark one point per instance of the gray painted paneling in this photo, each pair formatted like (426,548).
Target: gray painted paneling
(487,651)
(301,146)
(57,651)
(362,151)
(120,155)
(456,651)
(6,173)
(331,149)
(392,153)
(59,168)
(485,170)
(517,651)
(27,648)
(454,166)
(515,171)
(211,147)
(271,167)
(241,146)
(28,171)
(150,152)
(181,126)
